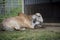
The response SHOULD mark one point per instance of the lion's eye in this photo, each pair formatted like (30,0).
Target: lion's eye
(34,21)
(38,16)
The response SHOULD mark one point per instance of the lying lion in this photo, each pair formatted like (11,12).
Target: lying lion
(22,21)
(19,22)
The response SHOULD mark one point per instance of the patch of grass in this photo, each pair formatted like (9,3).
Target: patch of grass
(30,35)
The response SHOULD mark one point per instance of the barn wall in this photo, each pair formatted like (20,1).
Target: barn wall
(50,10)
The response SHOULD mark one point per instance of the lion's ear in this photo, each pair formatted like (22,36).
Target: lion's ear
(19,13)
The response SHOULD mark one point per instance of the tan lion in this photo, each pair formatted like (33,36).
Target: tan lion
(19,22)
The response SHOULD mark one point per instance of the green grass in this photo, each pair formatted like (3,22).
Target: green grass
(36,34)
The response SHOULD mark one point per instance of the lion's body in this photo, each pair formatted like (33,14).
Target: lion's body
(18,22)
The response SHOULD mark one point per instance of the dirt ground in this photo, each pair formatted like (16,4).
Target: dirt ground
(56,29)
(51,27)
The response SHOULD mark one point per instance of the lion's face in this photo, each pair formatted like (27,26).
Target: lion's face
(37,20)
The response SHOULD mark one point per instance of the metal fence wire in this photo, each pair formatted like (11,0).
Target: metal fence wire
(9,8)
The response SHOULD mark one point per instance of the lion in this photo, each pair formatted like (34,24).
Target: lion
(19,22)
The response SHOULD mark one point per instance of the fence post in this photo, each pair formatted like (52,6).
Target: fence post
(22,6)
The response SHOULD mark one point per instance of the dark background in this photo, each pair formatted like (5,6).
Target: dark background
(50,9)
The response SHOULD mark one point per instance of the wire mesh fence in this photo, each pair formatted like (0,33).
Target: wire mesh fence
(9,8)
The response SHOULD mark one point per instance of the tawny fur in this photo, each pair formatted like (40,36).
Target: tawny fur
(18,22)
